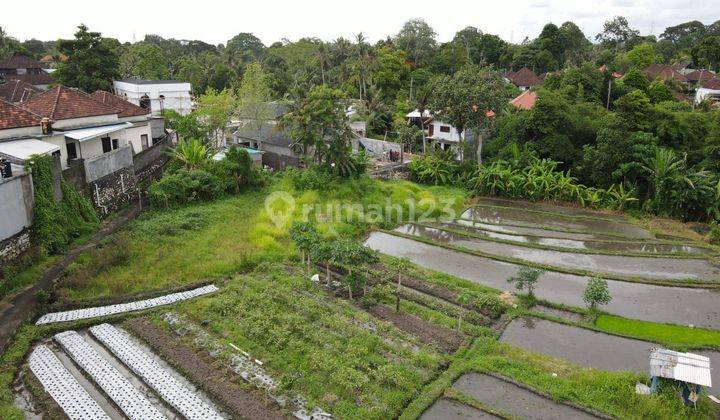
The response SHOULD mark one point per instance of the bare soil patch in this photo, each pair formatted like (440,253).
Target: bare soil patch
(445,339)
(220,382)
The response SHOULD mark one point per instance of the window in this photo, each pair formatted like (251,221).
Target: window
(144,141)
(115,144)
(444,129)
(71,151)
(106,144)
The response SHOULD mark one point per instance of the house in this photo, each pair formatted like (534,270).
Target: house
(698,77)
(81,126)
(525,100)
(523,78)
(614,74)
(437,132)
(50,61)
(17,91)
(156,95)
(140,118)
(710,90)
(664,72)
(24,68)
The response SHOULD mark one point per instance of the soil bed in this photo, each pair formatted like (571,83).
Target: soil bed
(646,302)
(587,245)
(658,268)
(445,339)
(513,216)
(447,409)
(220,382)
(513,399)
(589,348)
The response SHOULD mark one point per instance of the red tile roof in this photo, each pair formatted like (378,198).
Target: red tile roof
(524,77)
(62,103)
(17,91)
(41,78)
(663,72)
(700,76)
(19,61)
(713,84)
(525,100)
(128,109)
(12,116)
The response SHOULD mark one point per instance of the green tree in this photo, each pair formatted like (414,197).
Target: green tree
(658,92)
(636,79)
(596,293)
(466,98)
(214,110)
(400,265)
(306,237)
(390,71)
(92,62)
(253,98)
(642,55)
(144,61)
(242,49)
(617,33)
(635,110)
(526,279)
(416,38)
(707,52)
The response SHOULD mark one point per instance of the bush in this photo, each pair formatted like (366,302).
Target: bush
(313,178)
(184,187)
(714,233)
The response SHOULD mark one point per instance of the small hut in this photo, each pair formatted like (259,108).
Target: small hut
(692,370)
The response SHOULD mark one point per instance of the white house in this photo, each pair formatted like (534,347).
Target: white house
(708,90)
(444,135)
(156,95)
(80,126)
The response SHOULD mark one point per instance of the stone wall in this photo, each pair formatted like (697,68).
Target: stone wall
(113,191)
(14,246)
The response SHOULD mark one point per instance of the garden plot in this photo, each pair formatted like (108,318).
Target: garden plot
(656,268)
(520,217)
(546,239)
(446,409)
(632,300)
(184,400)
(515,400)
(131,401)
(100,311)
(590,348)
(57,381)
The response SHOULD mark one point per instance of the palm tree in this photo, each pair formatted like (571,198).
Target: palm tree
(665,171)
(192,154)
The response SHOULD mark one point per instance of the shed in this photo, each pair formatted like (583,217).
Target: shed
(684,367)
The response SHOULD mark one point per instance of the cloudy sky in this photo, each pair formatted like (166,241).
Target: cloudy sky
(215,21)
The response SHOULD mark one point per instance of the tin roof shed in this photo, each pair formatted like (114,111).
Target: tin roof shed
(685,367)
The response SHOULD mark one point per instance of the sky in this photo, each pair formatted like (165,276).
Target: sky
(216,21)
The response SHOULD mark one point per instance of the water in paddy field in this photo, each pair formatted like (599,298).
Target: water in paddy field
(548,207)
(513,399)
(632,300)
(514,216)
(655,268)
(574,241)
(590,348)
(446,409)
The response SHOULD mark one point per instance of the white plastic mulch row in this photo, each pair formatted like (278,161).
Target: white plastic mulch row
(130,400)
(185,401)
(63,387)
(124,307)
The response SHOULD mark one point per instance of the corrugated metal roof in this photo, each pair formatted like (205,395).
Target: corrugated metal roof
(83,134)
(686,367)
(23,149)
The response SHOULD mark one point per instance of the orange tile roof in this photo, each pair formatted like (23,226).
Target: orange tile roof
(128,109)
(17,91)
(62,103)
(12,116)
(525,100)
(524,77)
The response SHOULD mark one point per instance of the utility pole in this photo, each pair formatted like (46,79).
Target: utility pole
(607,105)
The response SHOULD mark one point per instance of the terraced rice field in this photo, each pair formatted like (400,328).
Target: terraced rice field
(656,268)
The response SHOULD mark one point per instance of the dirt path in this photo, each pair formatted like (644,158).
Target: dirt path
(22,305)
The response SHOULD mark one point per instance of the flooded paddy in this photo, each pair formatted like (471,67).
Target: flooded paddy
(446,409)
(656,268)
(571,241)
(548,207)
(513,399)
(590,348)
(632,300)
(520,217)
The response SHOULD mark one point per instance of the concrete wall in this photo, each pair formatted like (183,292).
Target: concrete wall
(16,204)
(108,163)
(380,148)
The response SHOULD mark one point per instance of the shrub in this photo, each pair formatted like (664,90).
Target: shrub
(714,233)
(596,293)
(313,178)
(184,187)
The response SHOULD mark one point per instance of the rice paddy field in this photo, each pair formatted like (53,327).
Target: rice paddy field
(274,341)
